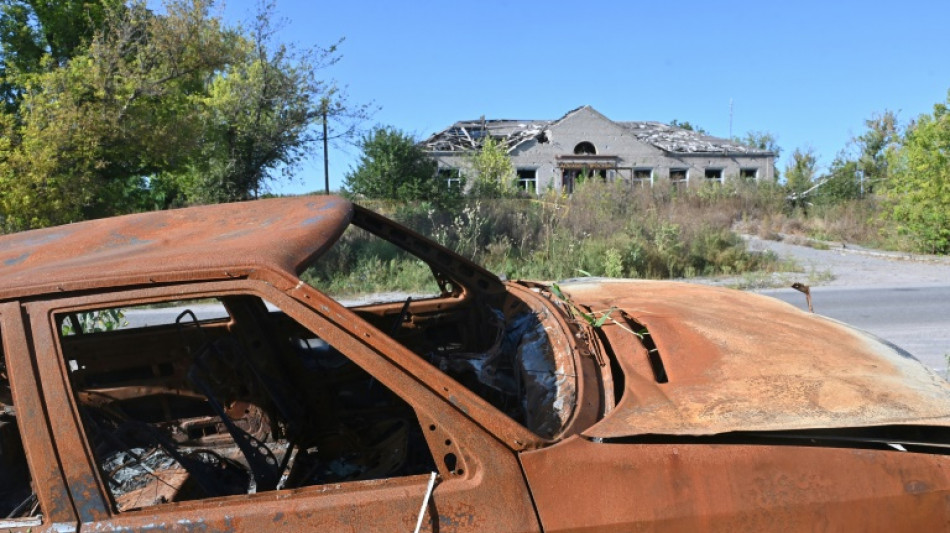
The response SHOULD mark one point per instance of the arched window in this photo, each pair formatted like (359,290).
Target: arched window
(585,148)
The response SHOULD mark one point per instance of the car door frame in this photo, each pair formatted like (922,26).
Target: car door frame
(485,490)
(49,483)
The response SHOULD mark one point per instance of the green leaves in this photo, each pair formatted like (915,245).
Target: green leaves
(918,192)
(591,319)
(113,108)
(394,167)
(800,171)
(490,170)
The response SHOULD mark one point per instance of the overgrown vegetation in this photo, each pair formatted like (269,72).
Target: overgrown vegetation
(918,195)
(603,229)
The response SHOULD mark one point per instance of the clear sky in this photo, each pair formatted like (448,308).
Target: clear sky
(808,72)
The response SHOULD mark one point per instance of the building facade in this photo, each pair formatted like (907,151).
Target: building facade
(552,154)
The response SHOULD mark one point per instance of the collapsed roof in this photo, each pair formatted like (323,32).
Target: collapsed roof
(469,134)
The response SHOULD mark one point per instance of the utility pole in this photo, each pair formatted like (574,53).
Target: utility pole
(326,153)
(730,118)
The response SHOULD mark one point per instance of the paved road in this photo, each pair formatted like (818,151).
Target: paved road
(914,317)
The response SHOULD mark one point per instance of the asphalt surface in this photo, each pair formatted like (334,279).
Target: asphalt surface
(902,298)
(916,318)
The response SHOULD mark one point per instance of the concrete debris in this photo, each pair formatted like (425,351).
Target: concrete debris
(679,140)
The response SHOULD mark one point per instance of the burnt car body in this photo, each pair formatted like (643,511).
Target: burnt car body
(173,370)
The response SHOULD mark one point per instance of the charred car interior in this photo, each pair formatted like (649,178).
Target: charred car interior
(243,403)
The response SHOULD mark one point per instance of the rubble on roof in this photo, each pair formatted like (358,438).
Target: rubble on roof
(673,139)
(468,135)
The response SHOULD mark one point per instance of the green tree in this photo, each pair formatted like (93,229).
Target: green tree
(863,165)
(800,171)
(841,183)
(394,166)
(874,147)
(259,117)
(88,133)
(36,34)
(157,110)
(489,170)
(918,189)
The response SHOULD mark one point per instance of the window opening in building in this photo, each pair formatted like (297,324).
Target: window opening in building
(222,396)
(749,174)
(714,174)
(568,177)
(585,148)
(451,176)
(527,180)
(18,502)
(679,176)
(643,176)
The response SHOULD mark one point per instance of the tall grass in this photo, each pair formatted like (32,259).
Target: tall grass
(603,229)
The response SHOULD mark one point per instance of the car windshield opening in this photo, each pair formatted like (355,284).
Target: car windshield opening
(454,315)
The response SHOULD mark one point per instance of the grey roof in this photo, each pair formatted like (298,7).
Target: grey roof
(673,139)
(468,135)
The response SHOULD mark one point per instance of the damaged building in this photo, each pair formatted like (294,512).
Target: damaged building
(553,154)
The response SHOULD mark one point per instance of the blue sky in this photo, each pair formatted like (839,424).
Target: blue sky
(808,72)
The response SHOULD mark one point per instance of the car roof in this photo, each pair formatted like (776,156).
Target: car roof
(195,243)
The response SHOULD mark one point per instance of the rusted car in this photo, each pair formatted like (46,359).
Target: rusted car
(185,370)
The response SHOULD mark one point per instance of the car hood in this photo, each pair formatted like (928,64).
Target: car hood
(738,361)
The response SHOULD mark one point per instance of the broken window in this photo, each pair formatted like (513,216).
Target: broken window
(527,180)
(643,176)
(714,175)
(18,502)
(585,148)
(749,174)
(452,177)
(194,399)
(679,176)
(568,177)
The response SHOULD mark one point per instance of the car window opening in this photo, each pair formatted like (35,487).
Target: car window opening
(181,408)
(493,343)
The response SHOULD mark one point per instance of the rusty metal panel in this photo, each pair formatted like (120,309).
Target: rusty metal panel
(205,242)
(76,459)
(48,481)
(579,485)
(737,361)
